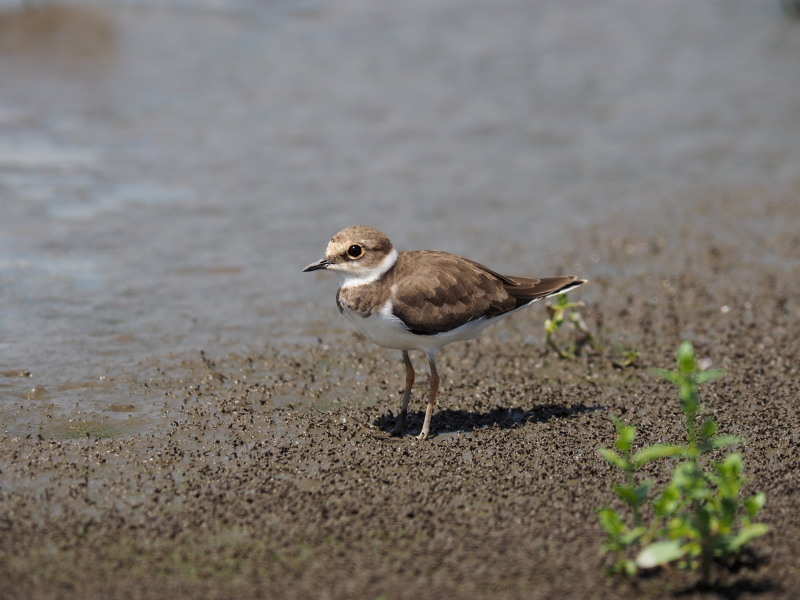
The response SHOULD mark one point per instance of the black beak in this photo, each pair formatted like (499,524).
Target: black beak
(320,264)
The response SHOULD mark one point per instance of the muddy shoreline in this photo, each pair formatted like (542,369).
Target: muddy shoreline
(268,477)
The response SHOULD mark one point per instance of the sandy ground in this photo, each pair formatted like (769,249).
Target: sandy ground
(268,477)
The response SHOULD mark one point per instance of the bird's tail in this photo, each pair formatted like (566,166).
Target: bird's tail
(525,290)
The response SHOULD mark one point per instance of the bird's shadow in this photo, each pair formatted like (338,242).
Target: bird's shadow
(463,421)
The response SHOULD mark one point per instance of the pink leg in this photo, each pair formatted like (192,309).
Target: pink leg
(400,428)
(434,381)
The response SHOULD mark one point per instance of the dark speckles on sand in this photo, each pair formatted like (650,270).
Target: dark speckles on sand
(272,475)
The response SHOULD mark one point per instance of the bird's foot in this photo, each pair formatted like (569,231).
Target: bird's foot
(399,428)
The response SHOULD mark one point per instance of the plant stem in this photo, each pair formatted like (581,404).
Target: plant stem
(637,517)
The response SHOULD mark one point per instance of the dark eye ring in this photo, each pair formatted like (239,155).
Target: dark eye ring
(355,251)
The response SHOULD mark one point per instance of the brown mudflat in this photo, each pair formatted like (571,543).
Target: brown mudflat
(271,475)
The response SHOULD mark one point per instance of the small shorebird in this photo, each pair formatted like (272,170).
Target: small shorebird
(423,299)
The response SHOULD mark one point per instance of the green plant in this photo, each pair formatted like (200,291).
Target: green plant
(699,516)
(563,311)
(627,358)
(560,311)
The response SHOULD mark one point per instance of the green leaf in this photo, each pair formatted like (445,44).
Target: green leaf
(668,502)
(747,533)
(630,495)
(550,326)
(656,451)
(704,376)
(659,553)
(611,522)
(683,528)
(631,536)
(708,429)
(670,376)
(614,458)
(633,495)
(629,567)
(686,475)
(624,566)
(686,361)
(625,437)
(723,440)
(753,504)
(731,467)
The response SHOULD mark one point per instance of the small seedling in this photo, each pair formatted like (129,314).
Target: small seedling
(628,358)
(699,516)
(563,310)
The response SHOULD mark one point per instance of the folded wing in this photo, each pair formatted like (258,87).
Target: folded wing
(451,291)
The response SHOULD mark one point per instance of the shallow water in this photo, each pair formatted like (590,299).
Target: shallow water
(167,169)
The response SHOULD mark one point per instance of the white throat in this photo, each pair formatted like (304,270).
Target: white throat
(353,280)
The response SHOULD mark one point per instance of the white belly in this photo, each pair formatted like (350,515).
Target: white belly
(386,330)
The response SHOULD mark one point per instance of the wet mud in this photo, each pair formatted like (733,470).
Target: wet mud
(270,475)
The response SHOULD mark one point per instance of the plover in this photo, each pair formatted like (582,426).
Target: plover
(423,299)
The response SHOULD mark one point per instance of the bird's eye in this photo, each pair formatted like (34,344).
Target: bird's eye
(355,251)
